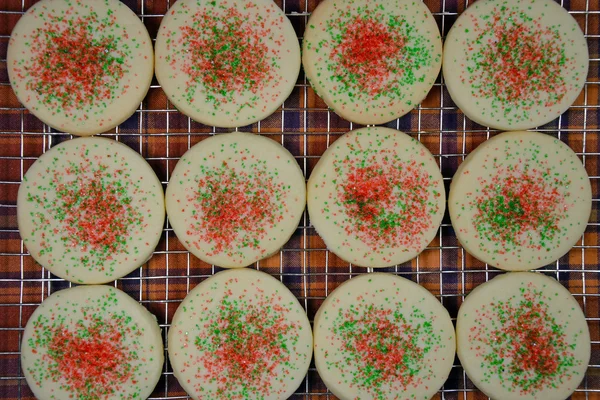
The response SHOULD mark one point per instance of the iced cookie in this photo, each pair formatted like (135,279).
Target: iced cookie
(379,336)
(520,201)
(376,197)
(235,198)
(90,210)
(91,342)
(523,336)
(515,64)
(82,67)
(227,63)
(240,334)
(372,61)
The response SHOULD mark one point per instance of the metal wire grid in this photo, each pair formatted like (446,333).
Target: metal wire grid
(161,134)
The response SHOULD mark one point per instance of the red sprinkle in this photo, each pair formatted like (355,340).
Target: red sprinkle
(515,203)
(235,207)
(368,52)
(387,345)
(386,202)
(91,360)
(96,213)
(74,64)
(525,346)
(520,61)
(228,53)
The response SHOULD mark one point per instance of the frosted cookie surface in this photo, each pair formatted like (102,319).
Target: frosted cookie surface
(376,197)
(81,67)
(515,64)
(90,210)
(91,342)
(227,63)
(520,201)
(379,336)
(240,334)
(523,336)
(372,61)
(235,198)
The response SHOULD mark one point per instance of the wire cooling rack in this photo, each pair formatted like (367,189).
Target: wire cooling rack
(306,127)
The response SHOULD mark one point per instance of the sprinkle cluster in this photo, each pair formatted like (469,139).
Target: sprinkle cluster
(226,51)
(374,53)
(94,357)
(88,206)
(387,201)
(235,206)
(383,348)
(246,344)
(522,204)
(515,61)
(77,61)
(521,343)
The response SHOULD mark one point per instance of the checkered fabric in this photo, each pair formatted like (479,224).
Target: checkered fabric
(305,126)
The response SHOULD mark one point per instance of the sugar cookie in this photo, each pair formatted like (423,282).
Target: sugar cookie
(376,197)
(91,342)
(372,61)
(523,336)
(380,336)
(80,66)
(235,198)
(90,210)
(240,334)
(227,63)
(520,201)
(515,64)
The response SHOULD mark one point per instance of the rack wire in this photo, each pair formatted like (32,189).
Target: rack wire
(306,127)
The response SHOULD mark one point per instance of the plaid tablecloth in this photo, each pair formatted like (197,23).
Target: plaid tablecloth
(306,127)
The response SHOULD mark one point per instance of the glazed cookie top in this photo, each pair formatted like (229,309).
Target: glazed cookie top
(91,342)
(372,61)
(227,63)
(380,336)
(515,64)
(376,197)
(81,67)
(523,336)
(520,201)
(235,198)
(90,210)
(240,334)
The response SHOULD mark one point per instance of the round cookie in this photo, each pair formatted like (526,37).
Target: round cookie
(372,61)
(376,197)
(380,336)
(227,63)
(240,334)
(523,336)
(515,64)
(90,210)
(91,342)
(235,198)
(80,66)
(520,201)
